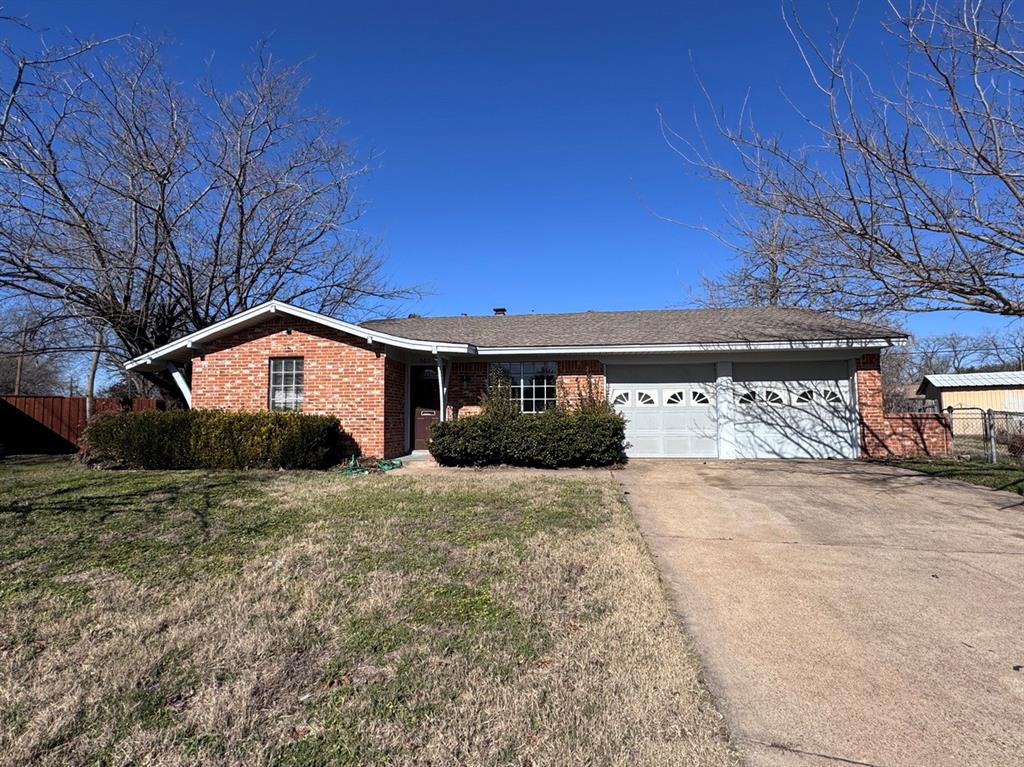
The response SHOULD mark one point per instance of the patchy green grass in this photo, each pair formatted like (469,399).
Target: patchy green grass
(998,476)
(297,618)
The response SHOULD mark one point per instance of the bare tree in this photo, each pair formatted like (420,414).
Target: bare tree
(136,207)
(1005,351)
(770,272)
(909,198)
(28,363)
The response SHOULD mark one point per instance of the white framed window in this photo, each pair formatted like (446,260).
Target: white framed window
(533,384)
(676,398)
(646,398)
(286,383)
(747,398)
(830,396)
(772,397)
(697,397)
(807,395)
(621,399)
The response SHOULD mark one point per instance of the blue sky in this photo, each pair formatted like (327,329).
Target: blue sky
(519,157)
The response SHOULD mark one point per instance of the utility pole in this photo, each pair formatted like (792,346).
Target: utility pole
(20,364)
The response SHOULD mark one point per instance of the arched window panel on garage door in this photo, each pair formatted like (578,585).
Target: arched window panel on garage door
(747,397)
(646,398)
(805,397)
(620,398)
(830,396)
(700,397)
(677,397)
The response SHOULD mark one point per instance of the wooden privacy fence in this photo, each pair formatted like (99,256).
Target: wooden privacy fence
(53,424)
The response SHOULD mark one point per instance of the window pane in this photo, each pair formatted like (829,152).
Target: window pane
(286,383)
(532,384)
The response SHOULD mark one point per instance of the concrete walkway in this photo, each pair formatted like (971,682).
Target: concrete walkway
(846,614)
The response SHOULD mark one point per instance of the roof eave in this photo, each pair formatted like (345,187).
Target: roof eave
(731,346)
(184,347)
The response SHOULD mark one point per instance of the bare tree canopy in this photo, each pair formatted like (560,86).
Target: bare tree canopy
(144,210)
(24,330)
(909,198)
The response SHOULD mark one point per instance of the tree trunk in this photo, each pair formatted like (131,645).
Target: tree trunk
(90,388)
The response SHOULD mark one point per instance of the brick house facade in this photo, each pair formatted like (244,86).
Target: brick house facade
(384,381)
(344,377)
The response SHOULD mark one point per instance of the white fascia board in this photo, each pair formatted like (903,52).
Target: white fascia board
(192,340)
(841,343)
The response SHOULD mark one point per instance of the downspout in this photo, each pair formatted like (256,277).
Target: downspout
(182,383)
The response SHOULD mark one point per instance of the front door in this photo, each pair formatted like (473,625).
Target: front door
(426,400)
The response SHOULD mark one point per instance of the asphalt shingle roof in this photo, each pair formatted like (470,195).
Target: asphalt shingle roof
(662,326)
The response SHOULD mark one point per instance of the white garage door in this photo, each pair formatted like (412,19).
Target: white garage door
(796,410)
(669,409)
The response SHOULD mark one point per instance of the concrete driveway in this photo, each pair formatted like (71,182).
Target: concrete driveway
(846,613)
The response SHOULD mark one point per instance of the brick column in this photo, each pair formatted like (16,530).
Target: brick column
(870,407)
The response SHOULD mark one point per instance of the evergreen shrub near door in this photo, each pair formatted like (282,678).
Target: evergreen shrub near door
(214,439)
(548,440)
(588,434)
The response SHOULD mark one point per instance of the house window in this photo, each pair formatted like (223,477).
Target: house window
(533,384)
(286,382)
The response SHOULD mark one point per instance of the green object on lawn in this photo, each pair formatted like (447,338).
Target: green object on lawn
(356,469)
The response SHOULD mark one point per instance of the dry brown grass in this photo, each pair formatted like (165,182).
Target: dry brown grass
(466,618)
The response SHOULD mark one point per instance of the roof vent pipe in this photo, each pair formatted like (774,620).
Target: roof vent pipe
(499,311)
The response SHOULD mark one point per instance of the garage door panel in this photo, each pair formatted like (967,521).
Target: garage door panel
(688,420)
(796,410)
(666,416)
(796,418)
(651,446)
(645,420)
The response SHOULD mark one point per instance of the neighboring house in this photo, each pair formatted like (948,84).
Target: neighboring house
(988,391)
(707,383)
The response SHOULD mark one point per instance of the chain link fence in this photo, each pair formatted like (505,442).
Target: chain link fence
(994,436)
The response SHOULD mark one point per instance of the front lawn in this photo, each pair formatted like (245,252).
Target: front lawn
(483,618)
(999,476)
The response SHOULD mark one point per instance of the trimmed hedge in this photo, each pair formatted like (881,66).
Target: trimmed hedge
(551,439)
(214,439)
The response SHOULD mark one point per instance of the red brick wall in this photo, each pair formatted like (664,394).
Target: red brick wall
(574,376)
(468,382)
(893,435)
(394,408)
(344,377)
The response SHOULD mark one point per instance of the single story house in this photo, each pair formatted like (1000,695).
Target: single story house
(988,391)
(761,382)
